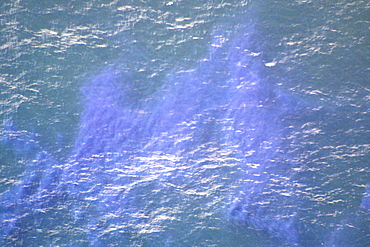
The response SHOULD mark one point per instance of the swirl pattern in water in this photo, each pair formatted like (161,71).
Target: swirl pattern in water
(207,154)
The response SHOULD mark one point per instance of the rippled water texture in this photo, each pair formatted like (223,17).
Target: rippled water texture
(184,124)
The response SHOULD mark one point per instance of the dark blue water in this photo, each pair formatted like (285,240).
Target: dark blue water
(171,123)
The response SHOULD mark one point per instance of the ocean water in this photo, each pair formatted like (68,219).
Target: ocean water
(184,123)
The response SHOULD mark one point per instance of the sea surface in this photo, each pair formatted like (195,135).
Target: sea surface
(184,123)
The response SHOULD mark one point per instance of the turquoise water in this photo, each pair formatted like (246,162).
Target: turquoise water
(177,123)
